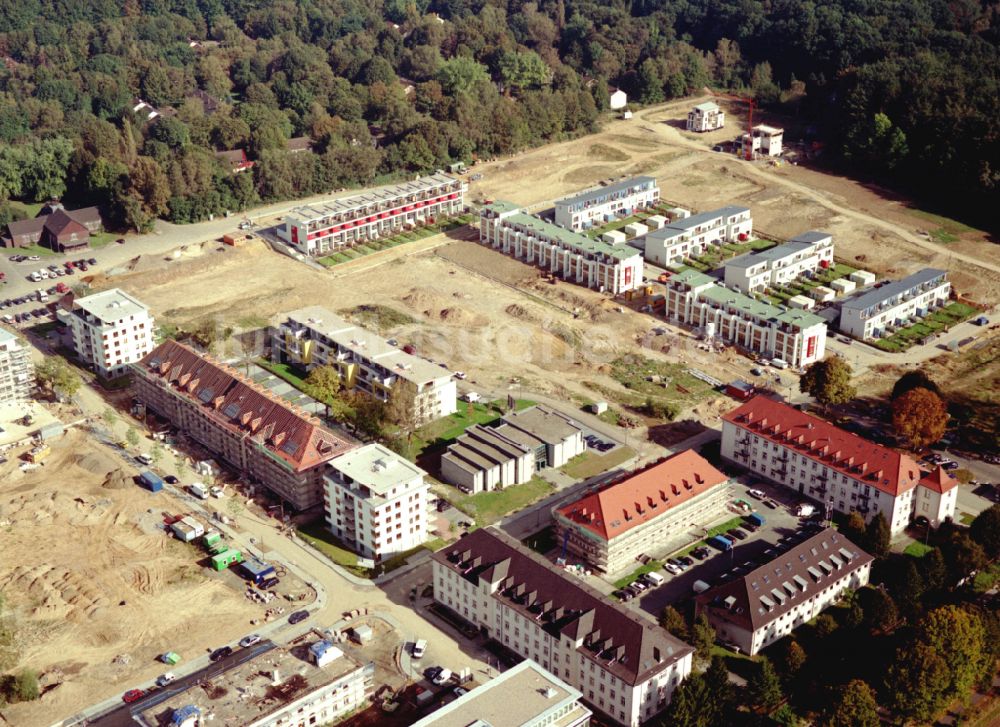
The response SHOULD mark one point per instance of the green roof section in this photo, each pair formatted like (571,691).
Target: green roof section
(572,240)
(501,207)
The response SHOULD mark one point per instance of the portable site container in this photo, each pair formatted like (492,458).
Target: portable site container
(756,519)
(39,453)
(211,538)
(720,542)
(226,558)
(256,570)
(151,482)
(220,547)
(171,657)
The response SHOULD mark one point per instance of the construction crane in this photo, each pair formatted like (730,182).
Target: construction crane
(751,104)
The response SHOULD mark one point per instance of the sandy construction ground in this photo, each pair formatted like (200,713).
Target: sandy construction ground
(95,589)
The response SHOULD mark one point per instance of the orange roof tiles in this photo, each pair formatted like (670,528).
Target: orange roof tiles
(939,481)
(883,468)
(644,495)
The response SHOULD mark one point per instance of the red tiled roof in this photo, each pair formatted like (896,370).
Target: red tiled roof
(881,467)
(287,433)
(939,481)
(644,495)
(59,223)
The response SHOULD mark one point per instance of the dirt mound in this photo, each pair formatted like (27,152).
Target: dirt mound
(461,317)
(116,481)
(422,299)
(96,463)
(520,312)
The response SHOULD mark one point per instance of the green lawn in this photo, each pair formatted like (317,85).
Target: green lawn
(317,535)
(987,578)
(917,550)
(938,321)
(447,429)
(653,565)
(292,374)
(377,316)
(675,384)
(945,229)
(590,463)
(101,239)
(401,239)
(488,507)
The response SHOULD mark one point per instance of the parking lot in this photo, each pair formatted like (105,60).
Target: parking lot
(53,280)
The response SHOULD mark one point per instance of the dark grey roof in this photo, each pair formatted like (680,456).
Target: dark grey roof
(879,295)
(602,191)
(813,236)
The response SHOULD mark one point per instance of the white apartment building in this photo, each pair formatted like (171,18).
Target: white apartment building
(802,255)
(874,313)
(764,140)
(314,336)
(323,229)
(812,457)
(706,117)
(626,666)
(110,331)
(794,336)
(376,502)
(523,696)
(689,236)
(651,511)
(572,256)
(770,602)
(605,204)
(17,373)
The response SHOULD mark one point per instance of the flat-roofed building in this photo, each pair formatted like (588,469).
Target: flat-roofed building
(110,330)
(816,459)
(266,438)
(794,336)
(874,313)
(605,204)
(376,502)
(706,117)
(323,229)
(764,140)
(686,237)
(524,696)
(768,603)
(17,373)
(802,255)
(651,511)
(572,256)
(314,336)
(626,666)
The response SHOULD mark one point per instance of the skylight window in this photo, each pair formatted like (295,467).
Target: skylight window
(231,410)
(206,394)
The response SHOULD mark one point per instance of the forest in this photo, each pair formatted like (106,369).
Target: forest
(903,92)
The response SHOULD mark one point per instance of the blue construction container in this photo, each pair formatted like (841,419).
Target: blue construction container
(151,482)
(256,570)
(756,519)
(720,542)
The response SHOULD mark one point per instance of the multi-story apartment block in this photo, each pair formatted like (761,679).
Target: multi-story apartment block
(706,117)
(376,502)
(315,336)
(110,331)
(764,140)
(271,688)
(524,696)
(625,666)
(604,204)
(650,511)
(870,315)
(17,373)
(836,468)
(794,336)
(770,602)
(802,255)
(689,236)
(256,431)
(574,257)
(323,229)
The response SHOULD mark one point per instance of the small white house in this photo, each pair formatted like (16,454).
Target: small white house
(618,99)
(801,302)
(862,277)
(656,222)
(636,229)
(843,286)
(614,237)
(823,294)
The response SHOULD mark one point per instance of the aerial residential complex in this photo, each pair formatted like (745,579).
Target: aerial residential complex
(323,229)
(689,236)
(376,502)
(17,375)
(646,512)
(253,429)
(834,467)
(488,458)
(525,695)
(275,688)
(706,117)
(770,602)
(872,314)
(802,255)
(110,331)
(626,666)
(796,337)
(572,256)
(315,336)
(604,204)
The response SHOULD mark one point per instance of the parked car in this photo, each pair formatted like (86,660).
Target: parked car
(268,583)
(771,504)
(298,617)
(459,691)
(431,672)
(737,533)
(686,561)
(757,494)
(701,553)
(92,261)
(442,678)
(671,568)
(249,640)
(950,465)
(171,480)
(622,595)
(419,647)
(165,679)
(220,653)
(133,695)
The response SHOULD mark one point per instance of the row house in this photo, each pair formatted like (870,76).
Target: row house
(877,312)
(604,204)
(803,255)
(690,236)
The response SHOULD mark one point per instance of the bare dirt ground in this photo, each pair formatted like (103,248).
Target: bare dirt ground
(97,591)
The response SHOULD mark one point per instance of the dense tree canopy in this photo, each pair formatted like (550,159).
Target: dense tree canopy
(919,416)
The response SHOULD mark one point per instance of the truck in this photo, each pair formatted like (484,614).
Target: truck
(720,542)
(150,481)
(805,510)
(199,491)
(756,519)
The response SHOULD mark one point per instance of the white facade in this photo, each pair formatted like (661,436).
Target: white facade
(617,99)
(872,314)
(691,235)
(17,373)
(376,502)
(604,204)
(795,336)
(706,117)
(572,256)
(802,255)
(315,336)
(765,140)
(110,331)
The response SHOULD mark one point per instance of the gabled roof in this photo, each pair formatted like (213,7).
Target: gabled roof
(939,481)
(644,496)
(617,640)
(26,227)
(299,143)
(59,223)
(286,433)
(234,156)
(768,592)
(883,468)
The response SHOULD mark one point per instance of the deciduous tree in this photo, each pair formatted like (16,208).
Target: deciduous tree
(985,530)
(702,636)
(878,537)
(920,416)
(673,622)
(763,686)
(855,707)
(829,381)
(326,386)
(913,380)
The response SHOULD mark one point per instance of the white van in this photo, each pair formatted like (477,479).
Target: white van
(779,363)
(419,648)
(199,491)
(655,579)
(700,587)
